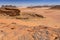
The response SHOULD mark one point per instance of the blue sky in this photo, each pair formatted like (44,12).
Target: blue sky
(29,2)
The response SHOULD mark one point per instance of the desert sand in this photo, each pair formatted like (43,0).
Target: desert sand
(28,27)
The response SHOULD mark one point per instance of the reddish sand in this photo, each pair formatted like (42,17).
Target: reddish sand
(18,29)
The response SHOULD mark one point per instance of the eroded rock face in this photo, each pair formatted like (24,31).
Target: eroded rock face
(10,11)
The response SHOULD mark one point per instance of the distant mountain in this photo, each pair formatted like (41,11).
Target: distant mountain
(52,6)
(55,7)
(39,6)
(34,7)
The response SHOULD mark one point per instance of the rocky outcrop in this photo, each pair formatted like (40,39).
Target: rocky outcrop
(11,11)
(46,33)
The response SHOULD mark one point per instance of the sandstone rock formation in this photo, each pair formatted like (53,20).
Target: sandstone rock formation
(11,11)
(46,33)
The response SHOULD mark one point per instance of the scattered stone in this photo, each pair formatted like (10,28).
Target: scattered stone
(12,28)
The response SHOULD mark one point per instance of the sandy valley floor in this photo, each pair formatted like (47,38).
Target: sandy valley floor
(29,29)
